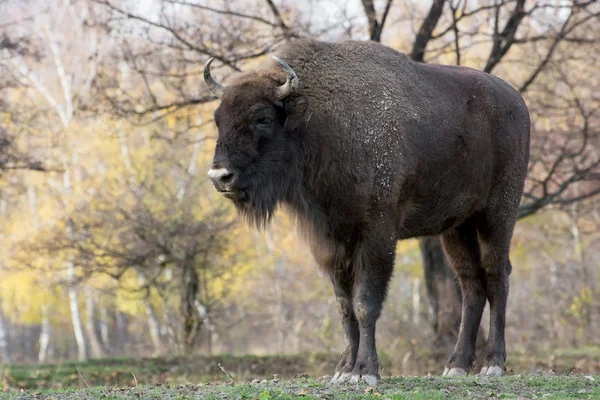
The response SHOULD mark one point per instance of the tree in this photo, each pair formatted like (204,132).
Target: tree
(59,73)
(153,229)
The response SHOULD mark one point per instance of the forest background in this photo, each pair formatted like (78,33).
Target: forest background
(113,242)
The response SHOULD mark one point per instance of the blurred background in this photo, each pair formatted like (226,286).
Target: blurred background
(114,244)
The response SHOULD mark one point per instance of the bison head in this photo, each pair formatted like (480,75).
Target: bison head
(257,147)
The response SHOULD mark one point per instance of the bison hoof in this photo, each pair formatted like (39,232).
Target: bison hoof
(335,377)
(369,379)
(454,372)
(341,377)
(493,370)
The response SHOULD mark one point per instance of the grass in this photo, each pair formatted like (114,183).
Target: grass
(537,386)
(118,372)
(574,375)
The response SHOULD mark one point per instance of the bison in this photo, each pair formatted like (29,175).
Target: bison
(366,147)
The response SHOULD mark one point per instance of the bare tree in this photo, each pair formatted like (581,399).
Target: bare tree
(62,79)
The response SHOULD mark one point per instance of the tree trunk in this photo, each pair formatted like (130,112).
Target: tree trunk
(44,335)
(104,329)
(90,327)
(122,336)
(72,288)
(426,30)
(443,292)
(189,317)
(75,315)
(4,353)
(416,301)
(213,334)
(153,327)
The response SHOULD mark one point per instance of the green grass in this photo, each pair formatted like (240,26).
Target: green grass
(197,377)
(538,386)
(115,372)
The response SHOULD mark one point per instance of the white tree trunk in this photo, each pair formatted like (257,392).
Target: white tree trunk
(104,336)
(72,289)
(4,353)
(45,332)
(153,327)
(416,301)
(45,328)
(578,244)
(208,323)
(90,326)
(75,315)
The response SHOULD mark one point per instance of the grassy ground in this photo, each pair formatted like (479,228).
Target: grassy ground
(119,372)
(569,374)
(538,386)
(115,372)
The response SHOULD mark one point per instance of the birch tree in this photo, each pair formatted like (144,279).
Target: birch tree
(62,80)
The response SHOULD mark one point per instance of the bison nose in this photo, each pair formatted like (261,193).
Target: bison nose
(222,178)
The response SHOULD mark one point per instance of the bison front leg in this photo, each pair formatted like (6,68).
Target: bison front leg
(342,285)
(373,269)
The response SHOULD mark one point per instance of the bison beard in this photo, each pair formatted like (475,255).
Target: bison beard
(258,202)
(366,148)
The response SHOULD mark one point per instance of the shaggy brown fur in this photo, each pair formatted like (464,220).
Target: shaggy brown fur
(374,148)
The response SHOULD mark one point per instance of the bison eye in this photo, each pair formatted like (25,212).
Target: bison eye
(263,121)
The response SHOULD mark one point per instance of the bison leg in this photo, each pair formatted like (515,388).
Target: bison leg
(494,355)
(373,269)
(462,249)
(343,293)
(495,232)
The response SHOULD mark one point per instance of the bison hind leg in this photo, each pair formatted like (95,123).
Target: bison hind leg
(463,253)
(495,228)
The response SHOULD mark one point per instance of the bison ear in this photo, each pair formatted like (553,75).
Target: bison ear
(296,105)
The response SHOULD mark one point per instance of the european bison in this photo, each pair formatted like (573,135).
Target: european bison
(367,147)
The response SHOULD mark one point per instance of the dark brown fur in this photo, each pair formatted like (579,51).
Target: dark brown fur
(375,148)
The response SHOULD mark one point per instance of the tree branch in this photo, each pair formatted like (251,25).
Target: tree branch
(504,40)
(287,32)
(375,26)
(426,30)
(224,12)
(565,30)
(189,45)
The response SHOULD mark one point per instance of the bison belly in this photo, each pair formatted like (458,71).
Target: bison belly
(439,200)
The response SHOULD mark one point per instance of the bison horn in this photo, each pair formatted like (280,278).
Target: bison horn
(214,86)
(291,85)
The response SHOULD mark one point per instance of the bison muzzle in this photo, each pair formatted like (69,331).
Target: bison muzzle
(366,147)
